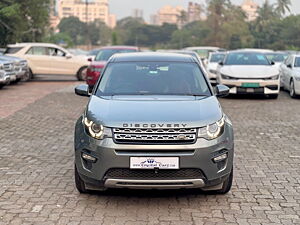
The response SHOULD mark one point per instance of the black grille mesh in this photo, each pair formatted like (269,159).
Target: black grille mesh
(119,173)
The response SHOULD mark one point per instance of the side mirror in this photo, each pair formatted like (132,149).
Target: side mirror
(272,63)
(222,90)
(289,66)
(90,59)
(82,90)
(68,56)
(221,63)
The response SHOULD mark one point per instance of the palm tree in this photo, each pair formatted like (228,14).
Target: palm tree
(283,6)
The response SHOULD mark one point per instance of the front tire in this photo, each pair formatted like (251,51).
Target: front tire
(80,185)
(81,74)
(292,89)
(273,96)
(226,184)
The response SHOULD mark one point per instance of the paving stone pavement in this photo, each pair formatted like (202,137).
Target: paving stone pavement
(36,171)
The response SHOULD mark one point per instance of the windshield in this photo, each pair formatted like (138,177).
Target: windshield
(277,57)
(217,57)
(297,62)
(246,58)
(105,54)
(153,78)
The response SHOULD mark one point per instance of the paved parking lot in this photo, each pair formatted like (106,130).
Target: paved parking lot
(36,168)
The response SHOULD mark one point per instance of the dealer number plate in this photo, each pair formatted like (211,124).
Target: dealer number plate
(154,162)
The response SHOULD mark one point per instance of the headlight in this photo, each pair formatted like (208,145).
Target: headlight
(225,77)
(276,77)
(95,130)
(212,131)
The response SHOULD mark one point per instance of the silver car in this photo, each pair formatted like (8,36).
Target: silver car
(6,72)
(290,75)
(20,67)
(153,122)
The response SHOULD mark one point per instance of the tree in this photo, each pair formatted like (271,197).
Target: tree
(74,28)
(283,6)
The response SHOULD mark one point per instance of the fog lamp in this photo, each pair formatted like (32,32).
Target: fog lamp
(88,157)
(220,158)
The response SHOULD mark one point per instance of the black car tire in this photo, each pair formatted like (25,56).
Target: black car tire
(81,74)
(226,184)
(80,185)
(28,76)
(2,85)
(292,89)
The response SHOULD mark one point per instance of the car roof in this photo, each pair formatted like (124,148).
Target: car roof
(203,47)
(33,44)
(152,57)
(246,51)
(119,47)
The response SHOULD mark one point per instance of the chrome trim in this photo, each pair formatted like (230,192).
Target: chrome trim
(154,184)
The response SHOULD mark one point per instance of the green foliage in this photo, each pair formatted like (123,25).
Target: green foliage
(59,38)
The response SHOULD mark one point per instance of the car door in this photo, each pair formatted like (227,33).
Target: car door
(285,71)
(62,62)
(38,59)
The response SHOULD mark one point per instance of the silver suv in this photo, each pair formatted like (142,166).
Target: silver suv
(153,122)
(6,72)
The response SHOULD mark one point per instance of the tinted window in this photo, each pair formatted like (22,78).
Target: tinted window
(297,62)
(12,50)
(37,51)
(246,58)
(216,57)
(277,57)
(105,54)
(56,52)
(153,78)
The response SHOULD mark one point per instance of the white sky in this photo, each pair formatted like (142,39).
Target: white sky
(123,8)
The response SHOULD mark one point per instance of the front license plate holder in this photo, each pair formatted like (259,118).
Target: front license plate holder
(250,85)
(154,163)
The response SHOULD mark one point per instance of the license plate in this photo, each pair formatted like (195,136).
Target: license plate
(250,90)
(250,85)
(154,162)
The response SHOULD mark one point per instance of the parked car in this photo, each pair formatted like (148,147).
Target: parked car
(7,72)
(153,122)
(97,65)
(20,66)
(184,52)
(290,75)
(212,65)
(249,72)
(204,51)
(277,57)
(49,59)
(2,50)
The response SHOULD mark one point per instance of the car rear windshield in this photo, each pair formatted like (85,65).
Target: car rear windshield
(246,58)
(105,54)
(153,78)
(12,50)
(217,57)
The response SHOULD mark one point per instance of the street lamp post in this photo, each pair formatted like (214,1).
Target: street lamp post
(87,23)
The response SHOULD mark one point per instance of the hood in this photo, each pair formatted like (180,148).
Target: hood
(248,71)
(98,63)
(163,110)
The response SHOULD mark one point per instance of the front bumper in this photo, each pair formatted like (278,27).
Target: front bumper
(266,87)
(4,78)
(111,156)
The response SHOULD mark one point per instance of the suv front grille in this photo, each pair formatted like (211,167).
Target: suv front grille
(122,173)
(8,67)
(155,135)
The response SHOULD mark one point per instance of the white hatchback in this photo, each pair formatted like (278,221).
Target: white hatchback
(249,72)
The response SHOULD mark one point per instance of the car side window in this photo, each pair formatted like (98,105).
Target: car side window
(37,51)
(56,52)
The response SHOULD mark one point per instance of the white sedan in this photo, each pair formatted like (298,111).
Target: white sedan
(290,75)
(249,72)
